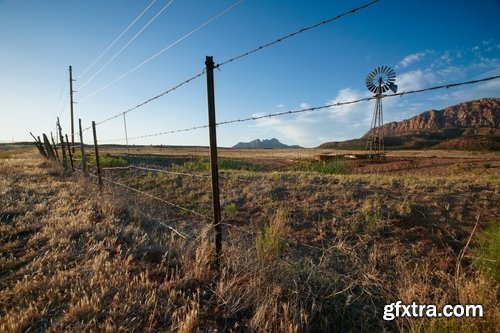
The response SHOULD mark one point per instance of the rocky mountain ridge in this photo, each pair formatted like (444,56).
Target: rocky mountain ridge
(472,125)
(482,113)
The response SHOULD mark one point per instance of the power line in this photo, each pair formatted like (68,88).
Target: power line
(316,108)
(127,44)
(298,32)
(116,40)
(366,99)
(162,51)
(219,65)
(150,100)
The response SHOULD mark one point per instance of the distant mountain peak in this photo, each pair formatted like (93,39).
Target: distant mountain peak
(263,144)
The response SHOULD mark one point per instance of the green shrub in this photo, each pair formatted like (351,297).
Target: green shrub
(231,209)
(271,240)
(336,166)
(198,165)
(487,252)
(107,161)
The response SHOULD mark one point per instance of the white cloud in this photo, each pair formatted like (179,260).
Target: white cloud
(429,68)
(412,58)
(350,110)
(416,79)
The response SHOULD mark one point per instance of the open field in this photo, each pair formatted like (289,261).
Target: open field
(398,161)
(307,247)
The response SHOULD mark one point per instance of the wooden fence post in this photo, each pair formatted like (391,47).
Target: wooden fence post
(213,159)
(39,146)
(54,146)
(48,147)
(97,163)
(61,140)
(82,149)
(69,154)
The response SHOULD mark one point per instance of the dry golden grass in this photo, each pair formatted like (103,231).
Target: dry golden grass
(74,259)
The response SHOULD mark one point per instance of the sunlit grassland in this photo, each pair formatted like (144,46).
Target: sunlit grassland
(303,250)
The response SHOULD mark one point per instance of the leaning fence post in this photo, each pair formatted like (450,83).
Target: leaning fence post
(48,147)
(61,140)
(213,158)
(39,146)
(82,149)
(69,154)
(54,146)
(98,165)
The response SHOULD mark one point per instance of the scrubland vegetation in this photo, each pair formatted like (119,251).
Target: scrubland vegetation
(304,250)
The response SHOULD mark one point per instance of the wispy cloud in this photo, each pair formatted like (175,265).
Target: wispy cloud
(415,71)
(416,79)
(411,58)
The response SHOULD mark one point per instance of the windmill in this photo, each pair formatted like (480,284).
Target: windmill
(378,81)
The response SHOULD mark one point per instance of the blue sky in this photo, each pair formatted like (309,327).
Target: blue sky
(426,42)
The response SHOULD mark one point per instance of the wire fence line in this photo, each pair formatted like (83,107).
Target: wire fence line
(184,209)
(216,220)
(296,33)
(311,109)
(245,54)
(149,100)
(128,167)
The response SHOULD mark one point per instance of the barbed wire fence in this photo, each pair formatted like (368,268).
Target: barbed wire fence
(106,174)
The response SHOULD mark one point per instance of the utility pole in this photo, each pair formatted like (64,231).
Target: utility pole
(71,106)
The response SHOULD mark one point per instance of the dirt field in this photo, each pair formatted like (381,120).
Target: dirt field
(426,162)
(307,246)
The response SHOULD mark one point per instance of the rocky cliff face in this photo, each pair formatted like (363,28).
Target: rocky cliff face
(473,125)
(483,113)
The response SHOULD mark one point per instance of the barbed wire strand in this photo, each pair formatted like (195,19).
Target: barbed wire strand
(149,100)
(151,217)
(154,197)
(157,220)
(298,32)
(170,172)
(116,40)
(234,58)
(315,108)
(155,170)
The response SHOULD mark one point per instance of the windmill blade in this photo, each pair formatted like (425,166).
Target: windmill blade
(383,74)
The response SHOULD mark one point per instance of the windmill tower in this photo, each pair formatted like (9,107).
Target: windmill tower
(378,81)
